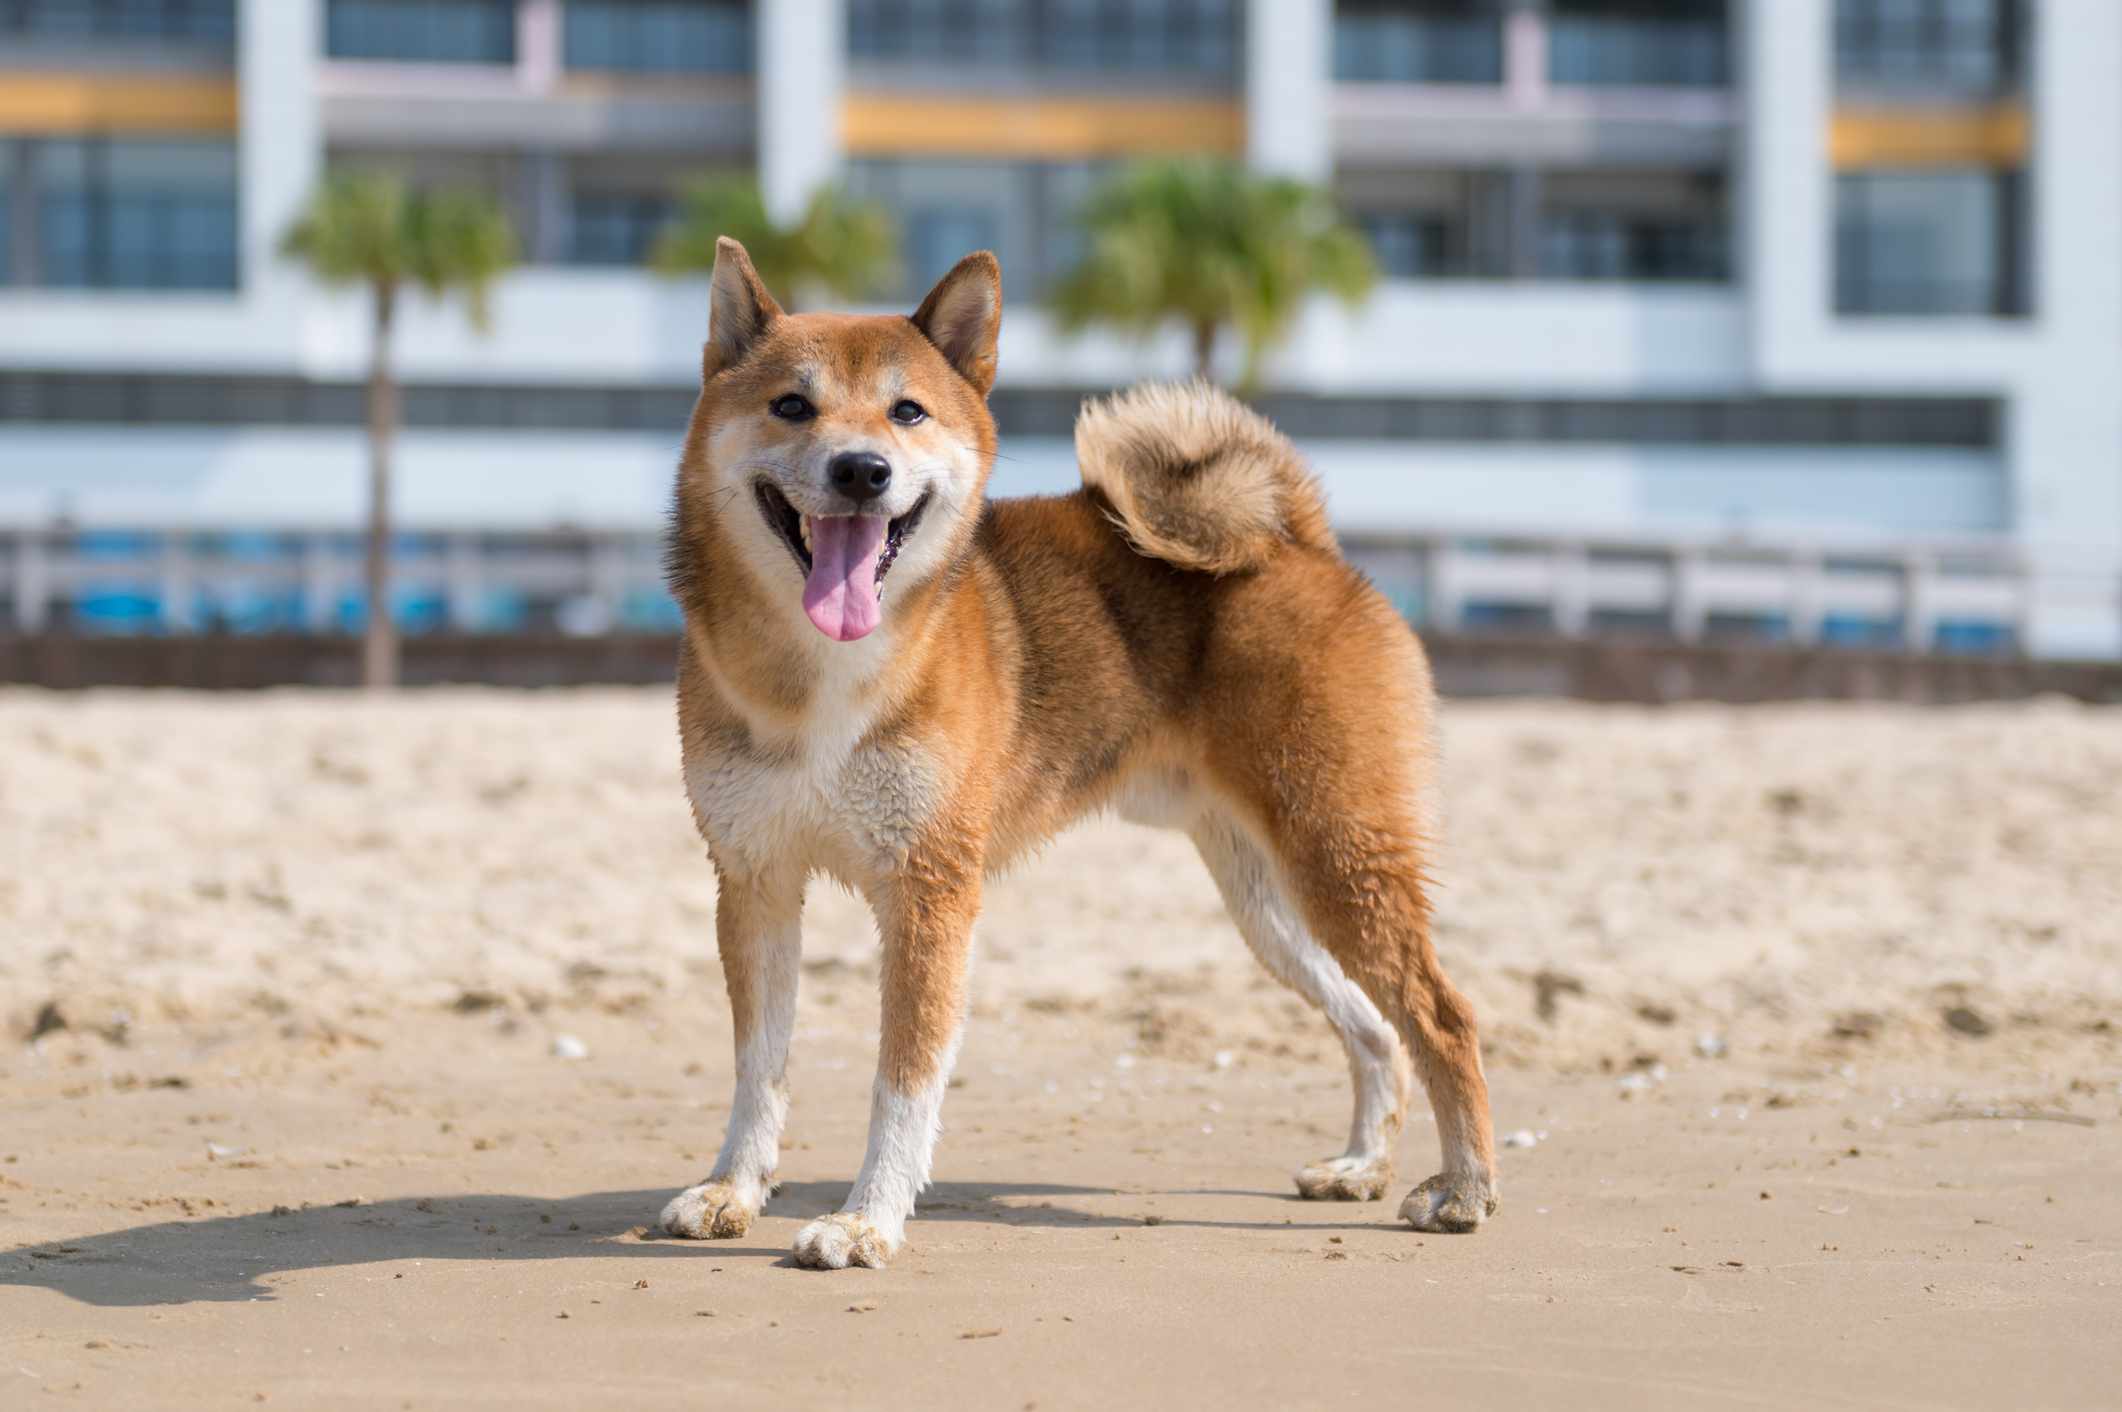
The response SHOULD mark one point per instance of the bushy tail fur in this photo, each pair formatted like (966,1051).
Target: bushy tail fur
(1197,479)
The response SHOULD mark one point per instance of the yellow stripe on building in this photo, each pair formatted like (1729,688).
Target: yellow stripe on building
(1994,136)
(53,104)
(1055,129)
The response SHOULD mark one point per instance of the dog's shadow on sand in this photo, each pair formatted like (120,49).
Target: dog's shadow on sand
(230,1259)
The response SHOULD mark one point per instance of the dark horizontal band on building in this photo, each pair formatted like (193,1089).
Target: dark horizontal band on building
(143,399)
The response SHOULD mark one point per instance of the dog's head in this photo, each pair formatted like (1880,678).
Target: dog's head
(841,451)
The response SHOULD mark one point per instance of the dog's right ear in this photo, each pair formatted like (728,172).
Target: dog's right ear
(740,308)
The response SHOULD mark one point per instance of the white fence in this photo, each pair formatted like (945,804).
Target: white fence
(144,580)
(1899,594)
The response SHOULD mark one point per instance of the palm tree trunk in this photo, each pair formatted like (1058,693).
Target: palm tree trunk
(379,644)
(1205,350)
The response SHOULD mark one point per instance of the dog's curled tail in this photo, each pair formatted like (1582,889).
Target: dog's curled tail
(1197,479)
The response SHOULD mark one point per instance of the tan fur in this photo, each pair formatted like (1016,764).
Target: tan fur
(1181,634)
(1197,479)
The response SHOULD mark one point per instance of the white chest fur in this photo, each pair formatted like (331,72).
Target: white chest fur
(848,808)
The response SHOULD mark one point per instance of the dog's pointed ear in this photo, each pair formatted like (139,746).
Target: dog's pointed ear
(962,316)
(740,309)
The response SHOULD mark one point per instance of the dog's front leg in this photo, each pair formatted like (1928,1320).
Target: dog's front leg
(927,927)
(758,928)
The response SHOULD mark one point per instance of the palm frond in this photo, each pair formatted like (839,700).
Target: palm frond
(370,228)
(1212,245)
(841,245)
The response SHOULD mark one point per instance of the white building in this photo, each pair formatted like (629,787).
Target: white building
(1809,276)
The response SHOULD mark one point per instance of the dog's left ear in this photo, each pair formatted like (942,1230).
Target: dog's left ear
(962,316)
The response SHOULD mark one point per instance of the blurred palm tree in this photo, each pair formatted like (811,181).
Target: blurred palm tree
(1214,245)
(841,245)
(370,229)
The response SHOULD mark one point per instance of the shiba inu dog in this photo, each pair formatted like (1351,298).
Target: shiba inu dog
(890,680)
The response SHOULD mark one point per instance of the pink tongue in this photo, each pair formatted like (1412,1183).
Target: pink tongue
(841,593)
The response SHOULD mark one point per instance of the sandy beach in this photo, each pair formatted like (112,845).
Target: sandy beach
(351,1046)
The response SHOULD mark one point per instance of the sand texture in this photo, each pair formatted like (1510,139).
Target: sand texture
(1808,1020)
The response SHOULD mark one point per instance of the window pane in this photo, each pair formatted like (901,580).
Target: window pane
(1442,41)
(137,214)
(1187,37)
(1633,225)
(617,229)
(1671,43)
(1416,244)
(1965,46)
(423,31)
(209,22)
(938,237)
(1926,242)
(659,36)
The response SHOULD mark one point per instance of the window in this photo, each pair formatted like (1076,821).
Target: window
(1928,242)
(938,237)
(1429,41)
(1963,46)
(1023,211)
(1620,245)
(184,21)
(136,214)
(1184,37)
(659,36)
(1416,244)
(1631,224)
(423,31)
(157,399)
(617,228)
(1141,36)
(1664,43)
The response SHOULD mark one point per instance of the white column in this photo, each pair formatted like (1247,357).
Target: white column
(2064,436)
(538,45)
(1525,55)
(1919,602)
(1289,87)
(1442,600)
(33,581)
(802,61)
(1571,592)
(1689,606)
(281,147)
(179,583)
(320,583)
(1808,595)
(461,580)
(1785,206)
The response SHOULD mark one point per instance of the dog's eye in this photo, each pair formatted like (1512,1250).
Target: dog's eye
(907,413)
(791,408)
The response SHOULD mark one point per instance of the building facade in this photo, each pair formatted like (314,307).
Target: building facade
(1803,279)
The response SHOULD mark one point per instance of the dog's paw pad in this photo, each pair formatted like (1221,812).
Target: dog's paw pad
(842,1239)
(1449,1203)
(710,1211)
(1345,1179)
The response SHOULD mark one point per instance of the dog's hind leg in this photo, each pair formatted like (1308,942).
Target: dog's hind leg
(758,928)
(1377,1062)
(1355,870)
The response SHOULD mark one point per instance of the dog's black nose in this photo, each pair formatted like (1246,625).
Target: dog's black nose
(861,476)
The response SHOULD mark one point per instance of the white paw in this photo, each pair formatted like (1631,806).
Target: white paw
(1345,1179)
(712,1211)
(842,1239)
(1449,1203)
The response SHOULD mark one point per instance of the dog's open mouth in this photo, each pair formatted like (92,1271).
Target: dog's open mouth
(844,560)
